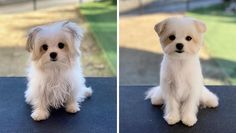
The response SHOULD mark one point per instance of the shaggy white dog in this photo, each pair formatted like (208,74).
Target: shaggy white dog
(55,76)
(181,87)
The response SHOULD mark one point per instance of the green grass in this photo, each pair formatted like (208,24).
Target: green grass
(101,17)
(220,38)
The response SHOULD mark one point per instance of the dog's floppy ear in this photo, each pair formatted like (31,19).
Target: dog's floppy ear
(30,39)
(201,27)
(160,27)
(76,33)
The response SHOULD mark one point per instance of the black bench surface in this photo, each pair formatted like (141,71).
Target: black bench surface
(97,114)
(139,116)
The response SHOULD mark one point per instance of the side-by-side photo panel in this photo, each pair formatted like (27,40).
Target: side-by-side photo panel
(58,66)
(117,66)
(177,66)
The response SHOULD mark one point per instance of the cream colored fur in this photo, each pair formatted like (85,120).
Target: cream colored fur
(181,87)
(60,83)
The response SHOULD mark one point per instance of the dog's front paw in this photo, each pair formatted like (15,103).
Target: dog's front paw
(39,115)
(172,118)
(189,120)
(72,108)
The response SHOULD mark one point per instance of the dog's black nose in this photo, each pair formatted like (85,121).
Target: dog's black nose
(53,55)
(179,46)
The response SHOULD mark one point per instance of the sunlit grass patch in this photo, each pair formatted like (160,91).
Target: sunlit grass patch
(101,17)
(220,38)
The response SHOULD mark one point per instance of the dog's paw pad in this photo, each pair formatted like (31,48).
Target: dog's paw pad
(172,118)
(189,120)
(72,108)
(39,115)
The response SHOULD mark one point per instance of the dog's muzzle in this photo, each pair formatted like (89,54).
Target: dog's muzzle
(179,47)
(53,56)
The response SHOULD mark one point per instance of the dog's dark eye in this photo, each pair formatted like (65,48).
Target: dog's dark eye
(172,37)
(61,45)
(45,47)
(188,38)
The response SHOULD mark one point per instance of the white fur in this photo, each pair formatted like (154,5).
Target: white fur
(54,84)
(181,87)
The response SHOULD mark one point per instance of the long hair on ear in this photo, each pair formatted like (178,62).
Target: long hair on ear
(76,32)
(30,39)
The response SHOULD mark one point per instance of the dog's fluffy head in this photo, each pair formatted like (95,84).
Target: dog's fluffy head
(180,36)
(54,45)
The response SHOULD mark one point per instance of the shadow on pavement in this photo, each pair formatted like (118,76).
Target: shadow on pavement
(139,67)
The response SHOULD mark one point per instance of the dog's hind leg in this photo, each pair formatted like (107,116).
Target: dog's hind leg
(208,99)
(155,95)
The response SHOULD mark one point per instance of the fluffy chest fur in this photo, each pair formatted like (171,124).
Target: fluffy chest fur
(56,89)
(180,77)
(53,87)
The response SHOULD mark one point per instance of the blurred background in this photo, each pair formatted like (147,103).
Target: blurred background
(97,18)
(140,51)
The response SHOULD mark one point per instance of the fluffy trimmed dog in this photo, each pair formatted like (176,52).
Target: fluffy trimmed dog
(55,77)
(181,87)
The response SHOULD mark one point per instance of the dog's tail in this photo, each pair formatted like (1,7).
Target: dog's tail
(85,92)
(152,92)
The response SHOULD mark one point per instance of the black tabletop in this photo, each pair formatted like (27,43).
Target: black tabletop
(97,114)
(139,116)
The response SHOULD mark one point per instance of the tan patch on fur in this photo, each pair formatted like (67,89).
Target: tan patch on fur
(160,27)
(181,29)
(165,41)
(195,45)
(201,27)
(31,38)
